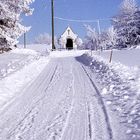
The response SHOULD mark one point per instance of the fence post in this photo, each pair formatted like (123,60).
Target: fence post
(111,54)
(24,40)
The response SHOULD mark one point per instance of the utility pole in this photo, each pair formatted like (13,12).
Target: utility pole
(52,7)
(99,31)
(99,27)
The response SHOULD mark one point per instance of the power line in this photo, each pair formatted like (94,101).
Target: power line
(82,21)
(85,21)
(75,20)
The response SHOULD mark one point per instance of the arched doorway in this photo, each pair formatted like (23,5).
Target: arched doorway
(69,44)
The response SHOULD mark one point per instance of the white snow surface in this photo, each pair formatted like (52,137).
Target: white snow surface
(138,47)
(73,97)
(41,48)
(130,58)
(65,53)
(16,59)
(120,82)
(62,103)
(18,68)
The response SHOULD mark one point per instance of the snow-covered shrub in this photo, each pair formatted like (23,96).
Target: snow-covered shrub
(10,22)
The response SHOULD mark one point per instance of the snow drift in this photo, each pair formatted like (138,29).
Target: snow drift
(18,69)
(120,90)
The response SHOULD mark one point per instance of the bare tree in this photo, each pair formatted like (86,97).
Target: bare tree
(45,39)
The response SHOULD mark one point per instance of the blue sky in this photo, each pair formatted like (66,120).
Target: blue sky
(70,9)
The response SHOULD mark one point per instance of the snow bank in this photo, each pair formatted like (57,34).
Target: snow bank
(121,91)
(12,85)
(15,60)
(18,68)
(138,47)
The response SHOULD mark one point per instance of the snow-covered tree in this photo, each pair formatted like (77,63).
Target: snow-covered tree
(127,24)
(104,40)
(45,39)
(10,22)
(112,37)
(136,30)
(111,40)
(108,39)
(79,42)
(92,38)
(61,41)
(129,6)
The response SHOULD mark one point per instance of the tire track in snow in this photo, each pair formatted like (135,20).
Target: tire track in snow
(79,124)
(63,119)
(110,132)
(89,124)
(55,127)
(52,78)
(71,107)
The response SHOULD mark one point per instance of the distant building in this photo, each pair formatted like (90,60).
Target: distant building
(69,40)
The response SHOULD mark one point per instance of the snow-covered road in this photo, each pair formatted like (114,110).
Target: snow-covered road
(63,103)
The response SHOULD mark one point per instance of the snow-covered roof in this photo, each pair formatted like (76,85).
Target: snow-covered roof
(69,33)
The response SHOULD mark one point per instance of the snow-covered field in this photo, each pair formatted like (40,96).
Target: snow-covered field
(15,60)
(18,69)
(129,58)
(69,95)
